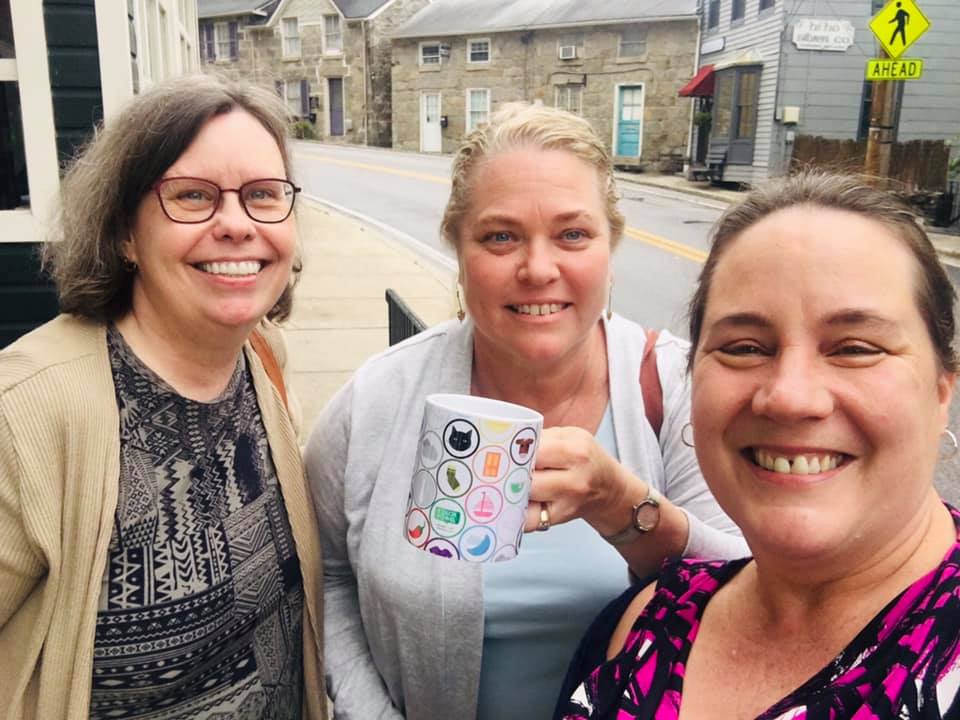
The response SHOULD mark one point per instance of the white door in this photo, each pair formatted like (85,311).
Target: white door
(430,139)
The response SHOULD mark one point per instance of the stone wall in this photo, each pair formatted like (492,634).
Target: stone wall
(526,66)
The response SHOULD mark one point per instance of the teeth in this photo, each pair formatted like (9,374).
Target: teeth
(800,465)
(246,267)
(545,309)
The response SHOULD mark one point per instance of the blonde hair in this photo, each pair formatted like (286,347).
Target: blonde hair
(518,125)
(107,180)
(935,295)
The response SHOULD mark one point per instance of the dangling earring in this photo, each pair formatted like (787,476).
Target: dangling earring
(610,300)
(129,265)
(460,313)
(954,445)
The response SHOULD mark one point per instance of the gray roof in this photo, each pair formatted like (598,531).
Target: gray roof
(469,17)
(222,8)
(359,8)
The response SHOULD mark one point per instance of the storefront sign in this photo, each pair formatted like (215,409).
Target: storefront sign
(823,34)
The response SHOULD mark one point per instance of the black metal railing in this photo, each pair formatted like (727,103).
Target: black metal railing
(402,321)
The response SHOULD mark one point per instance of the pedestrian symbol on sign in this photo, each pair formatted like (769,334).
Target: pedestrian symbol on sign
(906,21)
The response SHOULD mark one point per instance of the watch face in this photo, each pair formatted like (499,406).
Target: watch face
(646,517)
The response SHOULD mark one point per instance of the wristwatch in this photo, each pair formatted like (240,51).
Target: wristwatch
(643,518)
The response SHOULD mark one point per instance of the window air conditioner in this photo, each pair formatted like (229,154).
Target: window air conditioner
(568,52)
(444,50)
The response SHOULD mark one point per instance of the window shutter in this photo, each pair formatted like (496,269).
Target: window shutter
(278,86)
(209,50)
(304,98)
(234,42)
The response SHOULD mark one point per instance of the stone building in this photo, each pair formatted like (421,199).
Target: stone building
(329,59)
(618,64)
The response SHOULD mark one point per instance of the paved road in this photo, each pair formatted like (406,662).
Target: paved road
(654,267)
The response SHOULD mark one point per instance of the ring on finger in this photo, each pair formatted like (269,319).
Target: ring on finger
(544,517)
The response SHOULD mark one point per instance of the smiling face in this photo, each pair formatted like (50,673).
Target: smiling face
(228,272)
(818,401)
(534,255)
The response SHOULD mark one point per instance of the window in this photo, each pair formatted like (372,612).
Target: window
(737,10)
(220,41)
(766,4)
(430,53)
(570,46)
(296,94)
(569,97)
(290,31)
(332,38)
(713,14)
(633,42)
(735,97)
(478,107)
(478,51)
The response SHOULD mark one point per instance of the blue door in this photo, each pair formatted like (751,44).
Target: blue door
(629,120)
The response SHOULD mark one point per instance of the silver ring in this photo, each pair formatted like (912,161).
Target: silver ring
(544,518)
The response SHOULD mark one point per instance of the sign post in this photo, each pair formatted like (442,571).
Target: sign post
(897,26)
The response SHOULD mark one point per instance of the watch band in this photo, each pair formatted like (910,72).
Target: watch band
(637,529)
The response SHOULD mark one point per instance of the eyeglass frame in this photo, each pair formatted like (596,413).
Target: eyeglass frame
(219,203)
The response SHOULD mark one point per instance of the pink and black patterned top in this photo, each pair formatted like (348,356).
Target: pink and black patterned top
(904,664)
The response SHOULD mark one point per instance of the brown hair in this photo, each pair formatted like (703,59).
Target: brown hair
(517,125)
(935,295)
(106,182)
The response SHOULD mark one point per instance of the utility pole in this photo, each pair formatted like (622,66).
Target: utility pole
(882,133)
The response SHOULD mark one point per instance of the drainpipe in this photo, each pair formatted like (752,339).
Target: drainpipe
(693,103)
(366,89)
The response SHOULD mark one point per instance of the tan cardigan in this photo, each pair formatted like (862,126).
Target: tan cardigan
(59,477)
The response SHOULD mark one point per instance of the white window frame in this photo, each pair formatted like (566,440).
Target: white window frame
(221,36)
(29,69)
(439,54)
(328,47)
(290,43)
(567,89)
(470,42)
(620,43)
(468,114)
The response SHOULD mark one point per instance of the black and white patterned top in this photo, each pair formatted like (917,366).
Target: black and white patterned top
(201,606)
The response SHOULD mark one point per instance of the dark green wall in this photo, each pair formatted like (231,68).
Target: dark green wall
(27,298)
(72,53)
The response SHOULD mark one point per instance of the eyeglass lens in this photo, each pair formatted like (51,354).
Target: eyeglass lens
(194,200)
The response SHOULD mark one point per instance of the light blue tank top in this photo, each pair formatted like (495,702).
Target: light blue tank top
(537,607)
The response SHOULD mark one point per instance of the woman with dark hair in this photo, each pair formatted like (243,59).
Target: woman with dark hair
(823,367)
(158,552)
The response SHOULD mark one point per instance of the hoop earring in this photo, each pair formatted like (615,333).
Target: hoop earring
(955,445)
(460,313)
(610,301)
(683,435)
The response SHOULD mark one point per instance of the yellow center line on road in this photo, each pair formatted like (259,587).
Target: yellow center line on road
(684,251)
(382,169)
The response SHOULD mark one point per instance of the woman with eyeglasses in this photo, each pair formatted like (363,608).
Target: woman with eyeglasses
(158,552)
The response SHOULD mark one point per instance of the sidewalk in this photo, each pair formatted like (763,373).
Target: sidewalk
(339,313)
(948,245)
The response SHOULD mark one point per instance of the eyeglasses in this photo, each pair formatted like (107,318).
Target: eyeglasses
(193,200)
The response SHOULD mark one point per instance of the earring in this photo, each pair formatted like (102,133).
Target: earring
(129,265)
(683,435)
(954,445)
(460,313)
(610,301)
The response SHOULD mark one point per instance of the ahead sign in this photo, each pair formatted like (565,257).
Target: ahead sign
(894,69)
(898,26)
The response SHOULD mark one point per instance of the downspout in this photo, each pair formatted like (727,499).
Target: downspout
(366,89)
(693,103)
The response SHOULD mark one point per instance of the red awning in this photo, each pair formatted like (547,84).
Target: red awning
(701,85)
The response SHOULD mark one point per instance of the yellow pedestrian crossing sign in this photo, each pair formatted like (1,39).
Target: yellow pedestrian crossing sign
(898,26)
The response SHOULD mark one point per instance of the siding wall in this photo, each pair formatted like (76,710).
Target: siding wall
(757,34)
